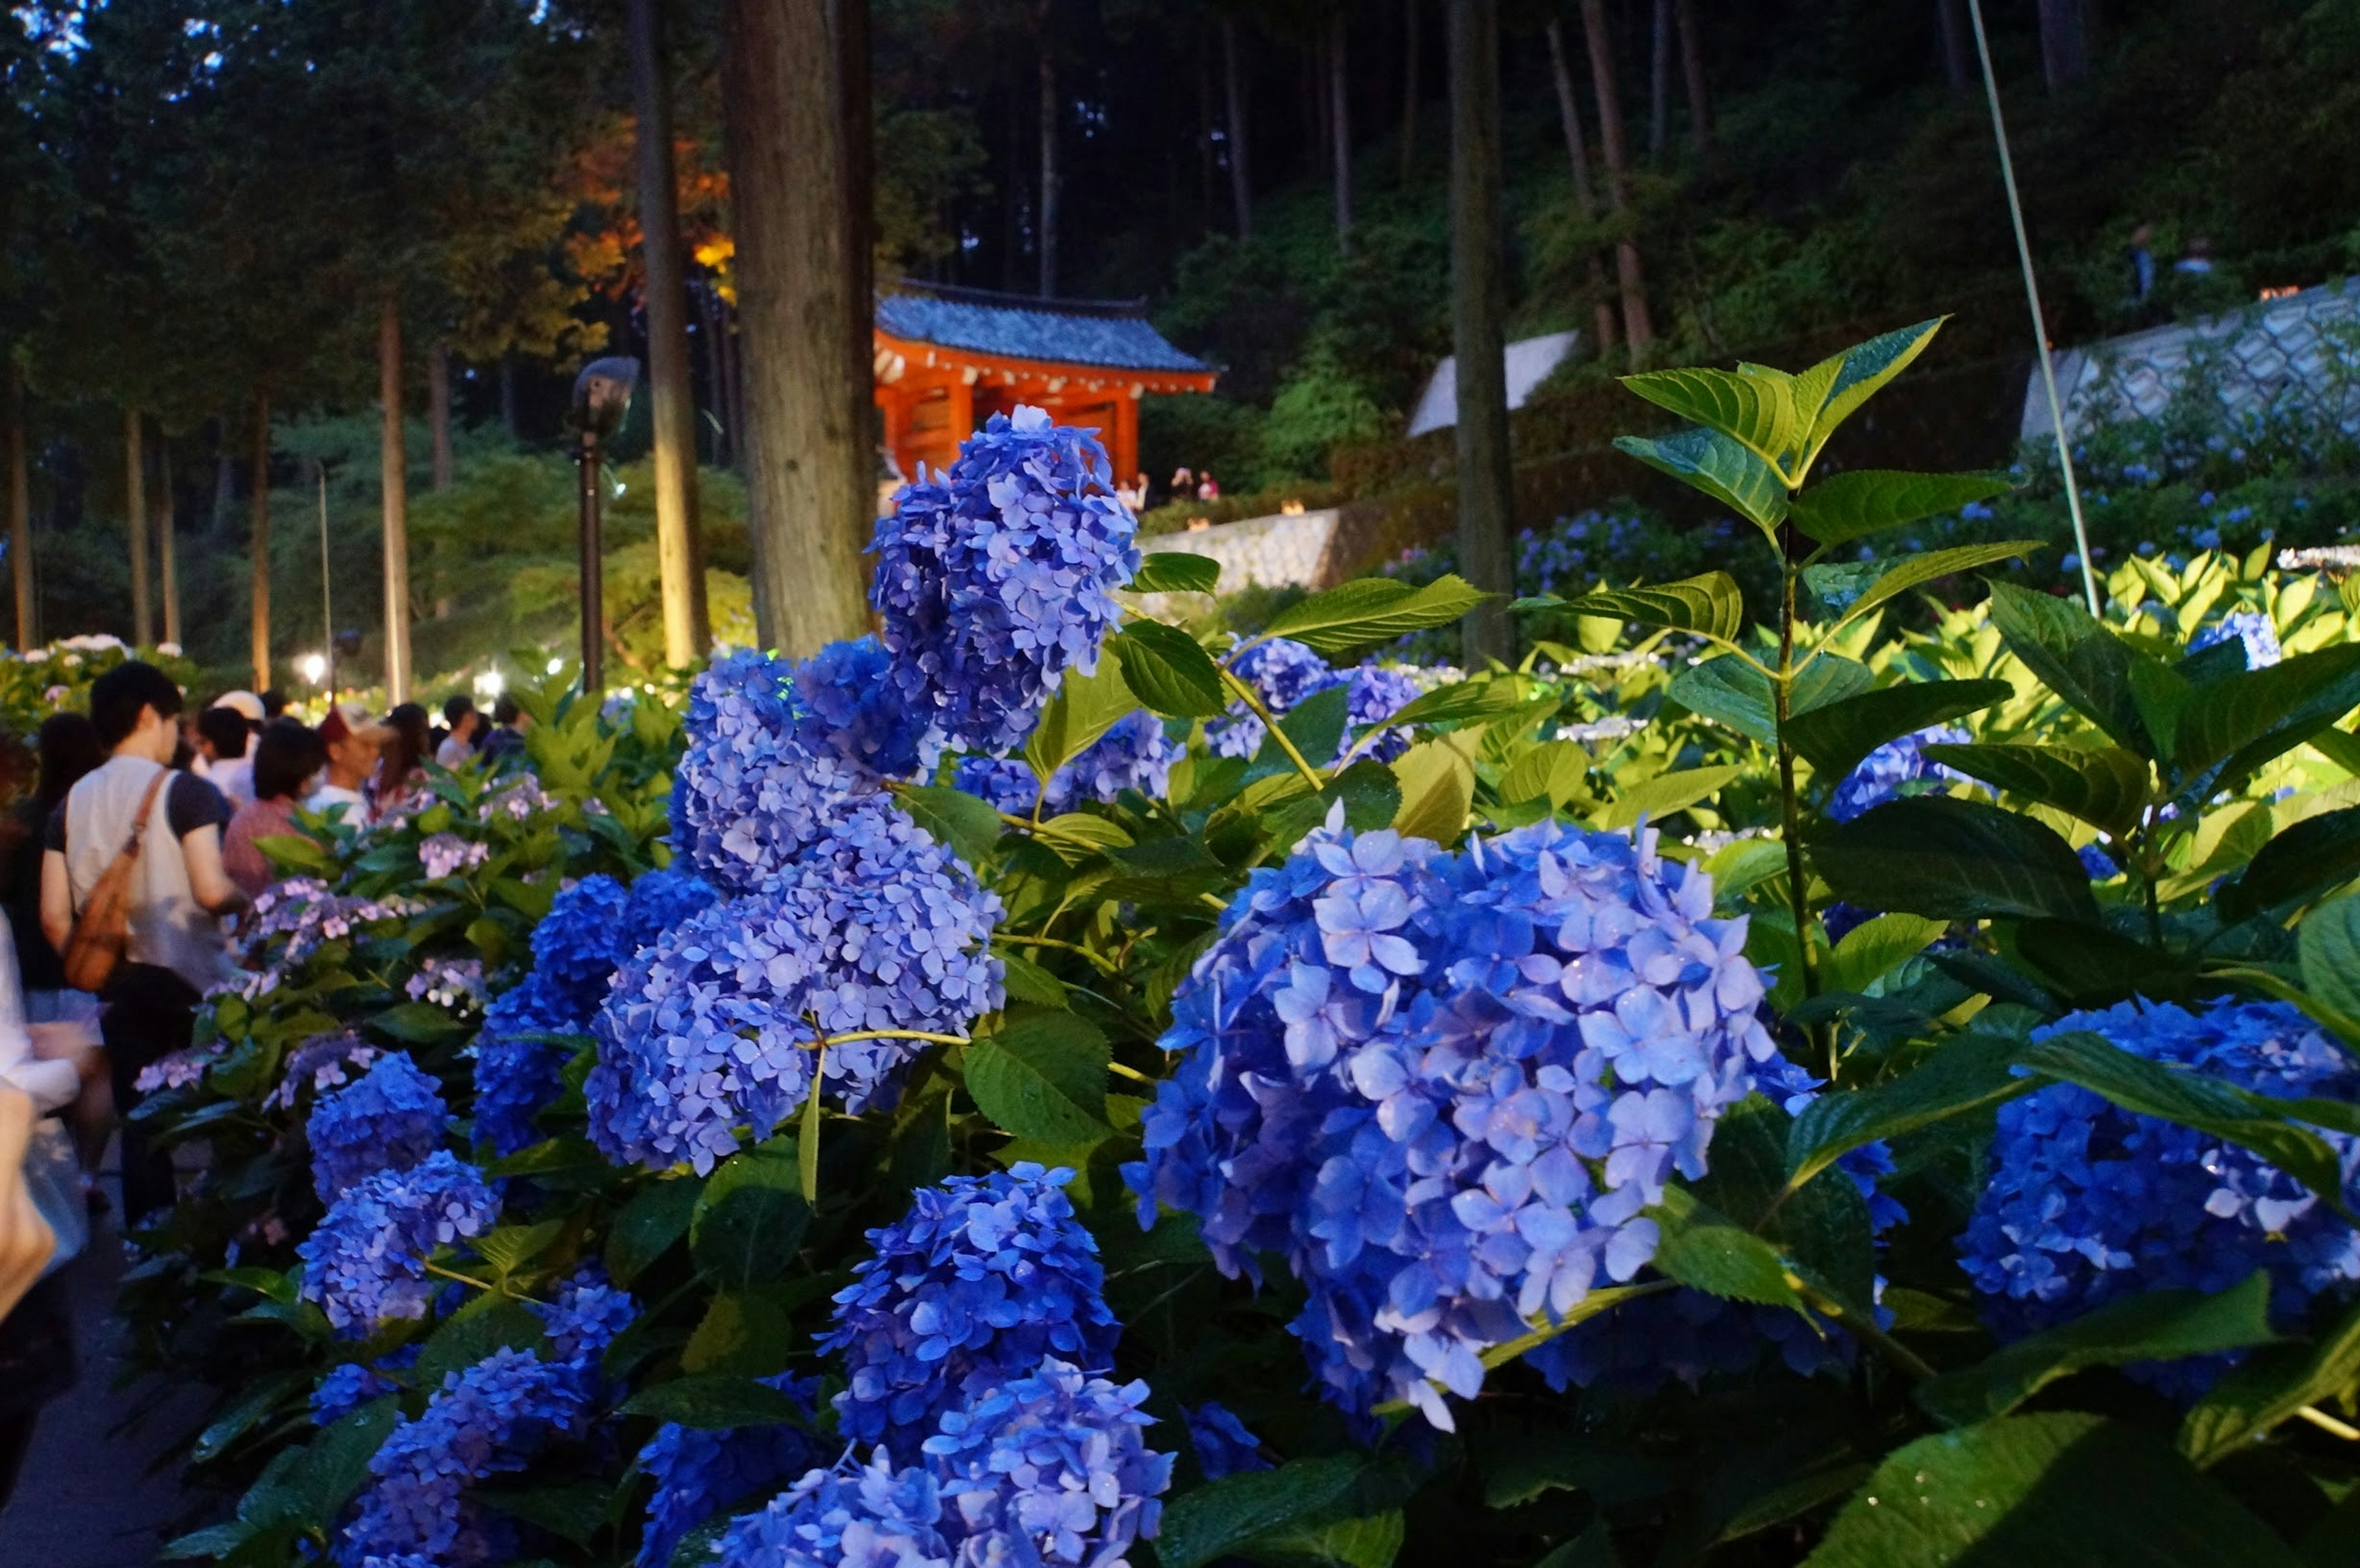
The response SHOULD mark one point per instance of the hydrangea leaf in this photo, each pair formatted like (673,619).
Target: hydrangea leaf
(1862,501)
(2309,857)
(966,826)
(1372,797)
(1461,701)
(1361,1541)
(1707,1251)
(1853,377)
(2076,656)
(1821,1235)
(2106,789)
(1169,671)
(2260,1394)
(2238,724)
(1711,605)
(417,1023)
(2063,1489)
(486,1324)
(1953,860)
(2329,942)
(717,1401)
(1043,1078)
(1666,794)
(1729,690)
(1214,1520)
(1315,726)
(1370,610)
(1719,466)
(748,1333)
(1757,411)
(1027,982)
(1835,737)
(2152,1326)
(657,1216)
(1437,785)
(1555,771)
(1175,571)
(509,1247)
(1907,571)
(1084,709)
(1872,949)
(2088,966)
(1593,1547)
(1967,1074)
(749,1218)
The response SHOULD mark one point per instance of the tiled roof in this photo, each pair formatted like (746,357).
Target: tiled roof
(1086,336)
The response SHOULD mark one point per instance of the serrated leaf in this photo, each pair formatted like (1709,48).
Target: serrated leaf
(717,1401)
(2088,966)
(1862,501)
(1964,1075)
(1711,605)
(1915,571)
(1555,771)
(1756,411)
(2310,858)
(2106,789)
(1370,610)
(1043,1077)
(1953,860)
(749,1219)
(1707,1251)
(487,1324)
(2329,942)
(2151,1325)
(1437,786)
(1084,709)
(1667,793)
(509,1247)
(1731,691)
(2075,656)
(1168,672)
(416,1023)
(657,1216)
(244,1413)
(1175,571)
(1717,466)
(1362,1541)
(1216,1519)
(1026,981)
(966,826)
(2242,721)
(1856,376)
(1872,949)
(2258,1395)
(1836,736)
(1458,702)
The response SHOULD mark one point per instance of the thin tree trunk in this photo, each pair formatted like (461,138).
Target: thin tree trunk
(1478,322)
(680,547)
(167,566)
(1638,329)
(2064,42)
(509,396)
(21,512)
(438,410)
(1234,87)
(733,386)
(1692,72)
(796,131)
(135,514)
(393,476)
(258,545)
(1050,178)
(708,329)
(1585,198)
(1339,121)
(1659,82)
(1951,21)
(1410,85)
(1204,137)
(224,481)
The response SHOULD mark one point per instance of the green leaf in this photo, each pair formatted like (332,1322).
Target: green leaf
(1084,709)
(1043,1077)
(1554,771)
(1363,1541)
(1731,691)
(1460,702)
(2329,942)
(1667,793)
(1953,860)
(1370,794)
(1717,466)
(1870,948)
(1593,1547)
(575,1511)
(257,1402)
(1863,501)
(1316,728)
(2060,1490)
(657,1216)
(1175,571)
(1710,605)
(1965,1076)
(2313,855)
(717,1401)
(509,1247)
(212,1542)
(1912,571)
(2244,721)
(1026,981)
(966,826)
(2152,1326)
(749,1219)
(2259,1394)
(1705,1251)
(417,1023)
(744,1332)
(1756,411)
(2106,789)
(1370,610)
(485,1324)
(1168,672)
(1216,1519)
(1437,785)
(1836,736)
(1856,376)
(2090,966)
(2075,656)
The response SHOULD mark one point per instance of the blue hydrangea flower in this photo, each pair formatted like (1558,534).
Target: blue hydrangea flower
(2088,1202)
(517,1071)
(2098,863)
(983,1276)
(1897,767)
(995,579)
(875,1516)
(2250,628)
(390,1120)
(700,1475)
(1379,691)
(1443,1087)
(1006,783)
(1283,672)
(349,1384)
(576,946)
(853,705)
(586,1317)
(1134,754)
(1223,1445)
(658,901)
(366,1262)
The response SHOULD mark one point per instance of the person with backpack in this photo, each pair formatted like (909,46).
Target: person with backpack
(132,885)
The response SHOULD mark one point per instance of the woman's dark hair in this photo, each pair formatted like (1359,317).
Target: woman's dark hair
(227,729)
(288,754)
(116,697)
(413,743)
(70,747)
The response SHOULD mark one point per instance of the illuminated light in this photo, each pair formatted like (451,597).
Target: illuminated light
(312,667)
(490,683)
(1290,509)
(555,665)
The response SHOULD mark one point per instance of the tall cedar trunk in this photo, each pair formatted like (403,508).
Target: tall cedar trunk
(1692,72)
(438,410)
(225,480)
(1314,99)
(1410,85)
(509,396)
(2064,42)
(796,130)
(1051,178)
(21,512)
(135,515)
(1479,308)
(393,478)
(709,332)
(1339,124)
(258,543)
(680,547)
(1659,82)
(1203,136)
(1585,200)
(733,386)
(167,566)
(1638,329)
(1234,88)
(1950,22)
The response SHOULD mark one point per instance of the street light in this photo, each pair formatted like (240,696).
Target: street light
(602,396)
(312,667)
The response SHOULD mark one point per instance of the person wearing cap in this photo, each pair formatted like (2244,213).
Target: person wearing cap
(352,742)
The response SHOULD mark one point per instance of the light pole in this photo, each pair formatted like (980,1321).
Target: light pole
(327,613)
(602,396)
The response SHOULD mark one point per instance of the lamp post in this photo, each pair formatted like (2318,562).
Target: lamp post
(327,605)
(602,396)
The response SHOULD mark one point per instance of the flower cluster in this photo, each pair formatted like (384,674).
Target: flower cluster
(658,901)
(1895,768)
(1443,1086)
(983,1276)
(177,1070)
(1223,1445)
(699,1474)
(852,705)
(516,1067)
(301,914)
(2250,628)
(347,1386)
(320,1063)
(519,798)
(1134,754)
(366,1262)
(455,983)
(447,855)
(2088,1202)
(577,944)
(390,1120)
(995,579)
(1283,673)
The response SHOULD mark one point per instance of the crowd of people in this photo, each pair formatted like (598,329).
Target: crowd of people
(142,807)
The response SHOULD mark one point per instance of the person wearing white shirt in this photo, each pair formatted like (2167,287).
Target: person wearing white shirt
(352,742)
(226,754)
(459,712)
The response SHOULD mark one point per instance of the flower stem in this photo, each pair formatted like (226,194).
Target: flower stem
(1133,1074)
(1252,699)
(1782,691)
(807,1147)
(1104,964)
(826,1040)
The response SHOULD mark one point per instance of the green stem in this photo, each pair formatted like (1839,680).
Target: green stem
(1133,1074)
(1104,964)
(1798,883)
(826,1040)
(807,1148)
(1252,700)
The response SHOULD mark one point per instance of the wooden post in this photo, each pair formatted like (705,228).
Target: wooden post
(167,566)
(394,479)
(259,545)
(1692,72)
(1478,327)
(135,515)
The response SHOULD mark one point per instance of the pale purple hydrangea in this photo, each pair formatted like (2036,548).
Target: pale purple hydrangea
(455,983)
(320,1063)
(447,855)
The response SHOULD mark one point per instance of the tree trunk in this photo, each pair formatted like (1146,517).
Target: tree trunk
(1050,178)
(509,396)
(1958,52)
(797,128)
(1204,137)
(1233,85)
(258,544)
(1339,123)
(1585,199)
(167,566)
(135,515)
(2064,42)
(715,401)
(1693,72)
(733,386)
(1659,82)
(393,476)
(1638,329)
(21,512)
(1410,85)
(438,410)
(680,548)
(1479,308)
